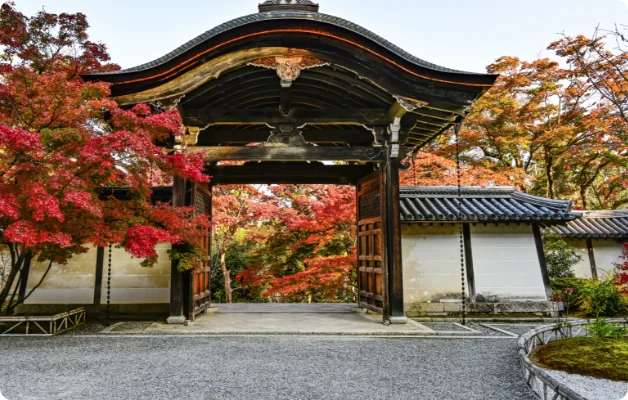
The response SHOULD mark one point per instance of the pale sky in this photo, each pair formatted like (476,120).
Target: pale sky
(461,34)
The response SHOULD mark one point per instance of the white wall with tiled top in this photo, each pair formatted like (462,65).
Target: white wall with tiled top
(583,268)
(506,264)
(607,253)
(431,262)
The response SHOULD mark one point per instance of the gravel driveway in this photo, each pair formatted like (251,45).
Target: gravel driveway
(259,368)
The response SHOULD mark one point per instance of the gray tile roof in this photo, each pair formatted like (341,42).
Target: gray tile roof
(278,5)
(597,225)
(490,204)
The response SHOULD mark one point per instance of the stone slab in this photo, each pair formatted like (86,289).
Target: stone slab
(289,323)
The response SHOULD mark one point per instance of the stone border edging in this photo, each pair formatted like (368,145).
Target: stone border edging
(536,378)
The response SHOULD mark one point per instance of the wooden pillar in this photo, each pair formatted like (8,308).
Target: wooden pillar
(393,243)
(100,266)
(592,259)
(24,275)
(176,277)
(468,258)
(538,240)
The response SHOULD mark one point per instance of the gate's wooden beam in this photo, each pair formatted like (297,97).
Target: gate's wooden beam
(329,116)
(356,137)
(285,99)
(240,153)
(284,173)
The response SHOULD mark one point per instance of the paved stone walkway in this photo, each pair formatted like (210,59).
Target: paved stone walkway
(291,321)
(282,308)
(304,319)
(260,368)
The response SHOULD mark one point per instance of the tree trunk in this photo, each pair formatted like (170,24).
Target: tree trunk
(227,277)
(583,197)
(26,269)
(21,300)
(548,174)
(16,266)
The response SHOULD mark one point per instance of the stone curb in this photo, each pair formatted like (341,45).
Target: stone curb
(496,319)
(536,378)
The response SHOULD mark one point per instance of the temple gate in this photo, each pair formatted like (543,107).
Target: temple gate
(296,96)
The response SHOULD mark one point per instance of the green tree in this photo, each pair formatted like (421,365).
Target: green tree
(559,256)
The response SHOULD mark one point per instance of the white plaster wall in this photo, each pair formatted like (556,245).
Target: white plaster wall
(607,254)
(583,268)
(133,284)
(506,263)
(71,283)
(431,262)
(5,265)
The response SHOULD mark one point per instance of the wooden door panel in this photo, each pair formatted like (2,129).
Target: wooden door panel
(199,292)
(371,261)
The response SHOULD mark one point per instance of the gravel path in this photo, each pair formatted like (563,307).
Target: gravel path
(260,368)
(592,388)
(444,326)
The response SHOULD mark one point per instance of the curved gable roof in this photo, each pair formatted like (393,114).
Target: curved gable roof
(218,77)
(195,51)
(289,15)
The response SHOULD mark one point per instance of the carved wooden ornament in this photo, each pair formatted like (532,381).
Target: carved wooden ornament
(409,104)
(288,68)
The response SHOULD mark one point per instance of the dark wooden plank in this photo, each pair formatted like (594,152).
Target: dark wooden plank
(371,257)
(100,263)
(538,240)
(216,137)
(371,307)
(368,184)
(176,278)
(468,258)
(384,290)
(287,173)
(285,99)
(393,242)
(592,262)
(188,295)
(287,154)
(371,295)
(351,84)
(330,116)
(372,270)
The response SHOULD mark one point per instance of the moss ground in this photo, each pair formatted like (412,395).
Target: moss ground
(600,358)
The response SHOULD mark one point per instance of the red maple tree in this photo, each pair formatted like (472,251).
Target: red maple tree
(64,144)
(236,209)
(622,271)
(309,250)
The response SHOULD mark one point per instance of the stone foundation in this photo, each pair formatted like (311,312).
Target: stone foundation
(451,308)
(99,311)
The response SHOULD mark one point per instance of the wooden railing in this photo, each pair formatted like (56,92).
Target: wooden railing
(538,380)
(42,325)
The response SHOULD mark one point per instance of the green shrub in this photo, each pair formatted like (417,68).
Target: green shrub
(560,284)
(603,329)
(600,298)
(562,288)
(559,256)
